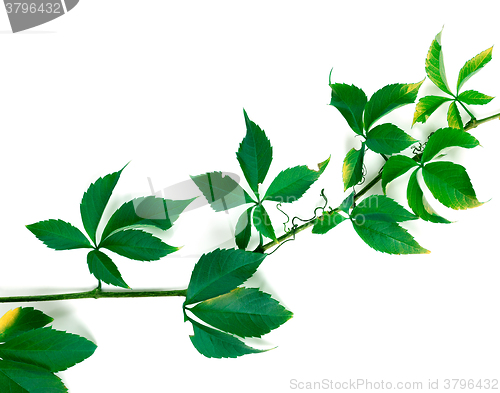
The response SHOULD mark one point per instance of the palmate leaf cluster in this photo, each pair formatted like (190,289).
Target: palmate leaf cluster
(434,67)
(120,234)
(30,352)
(448,182)
(255,155)
(215,297)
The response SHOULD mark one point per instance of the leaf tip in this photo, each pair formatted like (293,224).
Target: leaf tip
(125,166)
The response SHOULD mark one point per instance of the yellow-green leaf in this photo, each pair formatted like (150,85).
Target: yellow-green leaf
(434,65)
(21,319)
(454,118)
(472,97)
(352,169)
(389,98)
(472,66)
(426,106)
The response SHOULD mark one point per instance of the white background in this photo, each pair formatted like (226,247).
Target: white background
(162,84)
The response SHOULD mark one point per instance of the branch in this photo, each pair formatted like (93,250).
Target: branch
(473,123)
(93,294)
(98,293)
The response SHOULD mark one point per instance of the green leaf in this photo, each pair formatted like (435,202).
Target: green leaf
(472,97)
(255,154)
(47,348)
(352,169)
(395,167)
(434,65)
(59,235)
(447,137)
(426,106)
(103,268)
(350,101)
(472,66)
(263,223)
(387,237)
(418,203)
(292,183)
(382,208)
(388,139)
(18,377)
(326,222)
(221,191)
(244,228)
(216,344)
(219,272)
(145,211)
(347,203)
(20,320)
(246,312)
(389,98)
(95,199)
(138,245)
(454,118)
(450,184)
(375,221)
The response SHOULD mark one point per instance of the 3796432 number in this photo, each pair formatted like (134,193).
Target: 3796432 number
(32,8)
(471,384)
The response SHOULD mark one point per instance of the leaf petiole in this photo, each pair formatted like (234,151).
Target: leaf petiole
(472,117)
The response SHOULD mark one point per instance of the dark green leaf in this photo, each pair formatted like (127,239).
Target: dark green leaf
(450,184)
(418,203)
(352,169)
(20,320)
(434,65)
(292,183)
(216,344)
(103,268)
(395,167)
(472,66)
(255,154)
(221,191)
(220,271)
(246,312)
(59,235)
(389,98)
(263,223)
(388,139)
(244,228)
(387,237)
(138,245)
(454,118)
(350,101)
(472,97)
(382,208)
(426,106)
(51,349)
(145,211)
(18,377)
(347,203)
(375,221)
(327,221)
(447,137)
(95,199)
